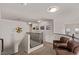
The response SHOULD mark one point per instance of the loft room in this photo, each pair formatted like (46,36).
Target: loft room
(37,23)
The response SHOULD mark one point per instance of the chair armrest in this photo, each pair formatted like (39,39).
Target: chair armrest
(62,44)
(2,44)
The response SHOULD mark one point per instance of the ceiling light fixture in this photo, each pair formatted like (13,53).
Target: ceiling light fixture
(30,23)
(23,4)
(39,21)
(53,9)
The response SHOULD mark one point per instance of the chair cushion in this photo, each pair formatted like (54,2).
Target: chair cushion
(76,50)
(72,45)
(64,39)
(61,45)
(63,52)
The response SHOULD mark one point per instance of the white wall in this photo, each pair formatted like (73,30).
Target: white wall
(59,24)
(9,34)
(0,13)
(47,34)
(23,46)
(72,28)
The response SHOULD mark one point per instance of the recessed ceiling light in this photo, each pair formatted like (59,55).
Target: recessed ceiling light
(53,9)
(39,21)
(23,4)
(30,23)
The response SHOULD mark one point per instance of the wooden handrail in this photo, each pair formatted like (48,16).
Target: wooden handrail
(2,44)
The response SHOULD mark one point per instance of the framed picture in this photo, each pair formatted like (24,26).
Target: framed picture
(48,27)
(37,27)
(34,28)
(42,27)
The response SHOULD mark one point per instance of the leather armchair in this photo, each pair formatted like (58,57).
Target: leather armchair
(62,43)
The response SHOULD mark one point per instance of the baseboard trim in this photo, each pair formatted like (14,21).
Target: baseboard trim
(48,42)
(35,48)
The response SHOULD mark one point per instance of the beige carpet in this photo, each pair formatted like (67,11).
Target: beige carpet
(46,50)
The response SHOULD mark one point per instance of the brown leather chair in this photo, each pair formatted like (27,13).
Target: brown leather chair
(62,43)
(72,49)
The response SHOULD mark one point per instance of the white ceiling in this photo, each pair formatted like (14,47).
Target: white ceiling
(36,11)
